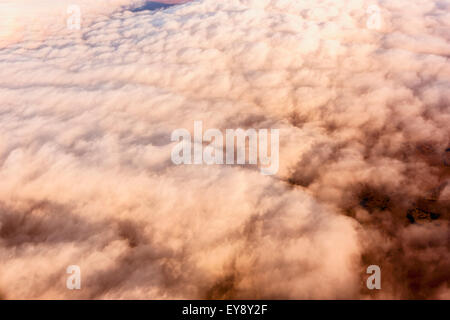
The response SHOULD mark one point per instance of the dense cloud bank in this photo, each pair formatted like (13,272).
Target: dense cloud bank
(86,176)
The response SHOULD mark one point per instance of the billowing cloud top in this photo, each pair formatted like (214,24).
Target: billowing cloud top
(359,90)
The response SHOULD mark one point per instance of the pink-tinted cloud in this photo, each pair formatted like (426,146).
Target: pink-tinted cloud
(86,176)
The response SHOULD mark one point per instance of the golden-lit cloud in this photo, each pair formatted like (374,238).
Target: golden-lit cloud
(363,111)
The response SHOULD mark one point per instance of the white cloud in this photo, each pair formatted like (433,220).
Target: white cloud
(85,170)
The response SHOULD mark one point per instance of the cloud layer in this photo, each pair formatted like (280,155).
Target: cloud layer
(86,177)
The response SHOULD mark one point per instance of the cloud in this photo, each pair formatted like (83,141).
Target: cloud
(86,177)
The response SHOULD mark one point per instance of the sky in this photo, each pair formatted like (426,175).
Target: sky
(358,89)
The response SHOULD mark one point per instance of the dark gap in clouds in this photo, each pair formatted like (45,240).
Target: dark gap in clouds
(152,6)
